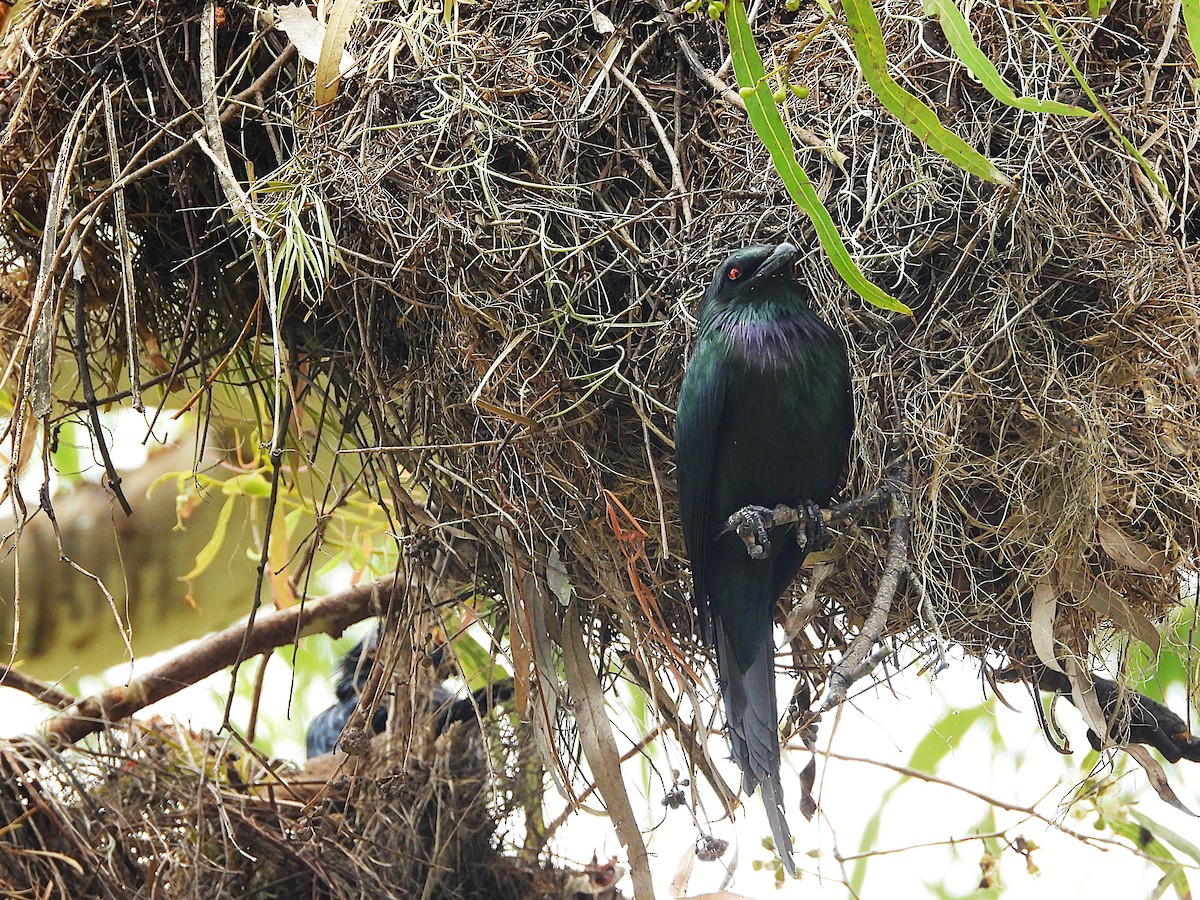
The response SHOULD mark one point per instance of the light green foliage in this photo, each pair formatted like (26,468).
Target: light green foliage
(1152,673)
(769,125)
(1104,114)
(958,35)
(1191,21)
(354,533)
(477,665)
(1167,836)
(916,116)
(941,740)
(295,218)
(635,702)
(314,667)
(1115,813)
(70,450)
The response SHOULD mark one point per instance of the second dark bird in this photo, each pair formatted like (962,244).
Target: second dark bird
(445,705)
(765,416)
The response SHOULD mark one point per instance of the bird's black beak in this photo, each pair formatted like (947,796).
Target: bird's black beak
(781,258)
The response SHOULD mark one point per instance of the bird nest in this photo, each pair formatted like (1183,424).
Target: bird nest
(481,259)
(161,810)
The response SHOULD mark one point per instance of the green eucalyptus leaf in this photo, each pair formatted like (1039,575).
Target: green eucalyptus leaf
(958,35)
(769,125)
(1191,22)
(915,115)
(208,553)
(1178,841)
(945,734)
(1145,840)
(1129,146)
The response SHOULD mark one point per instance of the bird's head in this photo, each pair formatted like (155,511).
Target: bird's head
(747,274)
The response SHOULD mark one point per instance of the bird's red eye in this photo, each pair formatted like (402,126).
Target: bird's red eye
(735,273)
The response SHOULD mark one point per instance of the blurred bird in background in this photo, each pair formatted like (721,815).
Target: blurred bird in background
(445,707)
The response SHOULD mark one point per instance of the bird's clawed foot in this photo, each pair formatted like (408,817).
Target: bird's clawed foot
(810,531)
(750,523)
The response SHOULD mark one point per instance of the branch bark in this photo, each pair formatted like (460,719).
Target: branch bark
(330,615)
(858,659)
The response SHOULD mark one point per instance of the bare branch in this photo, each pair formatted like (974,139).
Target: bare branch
(43,692)
(1030,810)
(858,660)
(329,615)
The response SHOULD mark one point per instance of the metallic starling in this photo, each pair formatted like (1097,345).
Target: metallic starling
(765,416)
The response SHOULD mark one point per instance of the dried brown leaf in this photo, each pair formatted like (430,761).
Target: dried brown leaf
(600,749)
(1129,551)
(1041,624)
(332,66)
(307,34)
(1157,777)
(1108,603)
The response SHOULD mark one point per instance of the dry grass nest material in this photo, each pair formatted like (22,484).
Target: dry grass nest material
(497,232)
(162,811)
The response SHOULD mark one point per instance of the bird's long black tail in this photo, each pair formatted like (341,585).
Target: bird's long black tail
(750,713)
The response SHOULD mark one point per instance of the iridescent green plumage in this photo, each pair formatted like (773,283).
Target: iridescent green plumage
(764,417)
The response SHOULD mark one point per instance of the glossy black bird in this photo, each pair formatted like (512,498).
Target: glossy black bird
(353,670)
(1135,718)
(445,706)
(764,417)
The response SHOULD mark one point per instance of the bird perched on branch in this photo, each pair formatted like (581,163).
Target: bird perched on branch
(765,416)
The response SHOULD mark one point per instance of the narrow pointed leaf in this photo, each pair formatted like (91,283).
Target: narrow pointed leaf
(1174,875)
(333,50)
(1104,113)
(1178,841)
(958,35)
(208,553)
(945,734)
(915,115)
(769,125)
(1191,22)
(600,749)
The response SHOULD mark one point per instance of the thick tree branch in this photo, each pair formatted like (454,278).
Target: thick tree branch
(330,615)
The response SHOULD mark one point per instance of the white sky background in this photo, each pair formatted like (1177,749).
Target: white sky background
(924,845)
(887,727)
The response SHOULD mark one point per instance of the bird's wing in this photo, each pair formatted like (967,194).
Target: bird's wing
(847,422)
(701,401)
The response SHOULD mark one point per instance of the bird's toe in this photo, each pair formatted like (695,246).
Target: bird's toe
(750,523)
(812,535)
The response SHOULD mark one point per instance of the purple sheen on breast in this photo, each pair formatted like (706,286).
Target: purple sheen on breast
(774,343)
